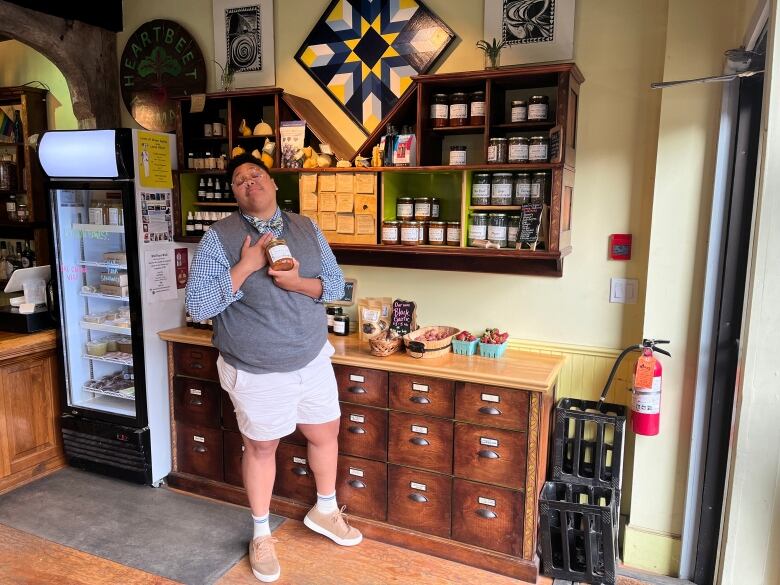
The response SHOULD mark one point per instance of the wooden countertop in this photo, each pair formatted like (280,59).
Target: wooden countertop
(13,345)
(516,369)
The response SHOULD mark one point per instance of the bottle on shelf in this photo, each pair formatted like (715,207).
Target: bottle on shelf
(389,145)
(18,128)
(28,256)
(189,228)
(10,207)
(198,224)
(188,319)
(210,190)
(217,191)
(202,190)
(3,257)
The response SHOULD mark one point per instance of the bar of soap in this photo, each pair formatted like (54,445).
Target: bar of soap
(27,308)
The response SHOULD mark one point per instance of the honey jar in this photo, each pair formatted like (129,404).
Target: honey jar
(391,232)
(410,232)
(279,257)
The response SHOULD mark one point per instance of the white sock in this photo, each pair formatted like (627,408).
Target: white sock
(327,503)
(262,528)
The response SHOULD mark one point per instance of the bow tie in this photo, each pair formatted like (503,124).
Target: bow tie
(264,226)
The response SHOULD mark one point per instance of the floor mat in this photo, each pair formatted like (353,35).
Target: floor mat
(184,538)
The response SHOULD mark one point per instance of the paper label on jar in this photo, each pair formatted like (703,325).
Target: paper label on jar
(537,152)
(492,153)
(519,114)
(537,112)
(522,190)
(496,232)
(419,387)
(299,460)
(536,190)
(480,190)
(358,418)
(278,252)
(423,209)
(439,111)
(196,391)
(502,191)
(113,215)
(96,216)
(457,157)
(436,234)
(410,234)
(418,486)
(477,232)
(458,111)
(511,234)
(198,439)
(356,472)
(390,233)
(339,327)
(490,398)
(421,430)
(434,210)
(486,501)
(488,442)
(404,209)
(453,234)
(477,108)
(356,378)
(330,320)
(518,152)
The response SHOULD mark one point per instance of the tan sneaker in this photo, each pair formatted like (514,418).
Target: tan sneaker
(334,526)
(262,557)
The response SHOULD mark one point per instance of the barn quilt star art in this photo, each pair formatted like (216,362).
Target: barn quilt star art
(364,53)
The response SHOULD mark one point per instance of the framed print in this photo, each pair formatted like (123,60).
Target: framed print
(244,41)
(534,30)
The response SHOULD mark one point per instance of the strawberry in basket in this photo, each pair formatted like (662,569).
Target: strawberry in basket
(493,336)
(465,336)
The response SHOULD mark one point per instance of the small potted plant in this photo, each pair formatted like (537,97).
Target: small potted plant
(226,77)
(492,52)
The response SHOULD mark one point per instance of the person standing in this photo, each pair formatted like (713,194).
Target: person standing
(274,356)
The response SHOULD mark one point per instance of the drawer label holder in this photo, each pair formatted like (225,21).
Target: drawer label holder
(419,387)
(198,439)
(490,398)
(488,442)
(357,378)
(358,418)
(355,471)
(299,460)
(418,486)
(196,391)
(486,501)
(421,430)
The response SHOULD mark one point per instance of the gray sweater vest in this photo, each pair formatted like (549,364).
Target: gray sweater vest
(271,329)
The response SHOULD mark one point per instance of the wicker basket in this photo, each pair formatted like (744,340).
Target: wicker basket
(383,345)
(419,348)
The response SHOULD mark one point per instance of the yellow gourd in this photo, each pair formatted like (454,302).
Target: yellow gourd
(244,129)
(267,159)
(237,150)
(343,163)
(263,129)
(309,158)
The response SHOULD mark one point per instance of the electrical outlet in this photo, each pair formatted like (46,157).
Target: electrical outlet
(623,290)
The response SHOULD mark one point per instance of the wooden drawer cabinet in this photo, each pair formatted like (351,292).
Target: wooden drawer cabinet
(490,455)
(363,431)
(422,394)
(420,441)
(492,405)
(199,451)
(196,361)
(294,477)
(228,413)
(296,438)
(233,455)
(196,402)
(419,500)
(362,385)
(487,516)
(361,485)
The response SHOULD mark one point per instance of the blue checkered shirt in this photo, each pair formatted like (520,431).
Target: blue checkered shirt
(210,288)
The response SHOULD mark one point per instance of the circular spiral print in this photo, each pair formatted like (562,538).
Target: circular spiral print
(243,50)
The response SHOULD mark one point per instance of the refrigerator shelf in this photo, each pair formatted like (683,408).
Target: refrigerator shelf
(110,358)
(103,265)
(93,227)
(112,393)
(102,296)
(106,328)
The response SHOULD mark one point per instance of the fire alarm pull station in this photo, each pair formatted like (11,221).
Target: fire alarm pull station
(620,247)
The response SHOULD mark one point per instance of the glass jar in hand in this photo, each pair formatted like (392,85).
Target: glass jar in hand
(279,257)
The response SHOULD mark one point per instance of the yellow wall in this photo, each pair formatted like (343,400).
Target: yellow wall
(20,64)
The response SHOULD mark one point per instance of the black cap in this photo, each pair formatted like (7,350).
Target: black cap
(239,160)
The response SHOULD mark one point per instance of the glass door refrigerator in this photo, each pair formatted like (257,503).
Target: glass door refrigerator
(112,263)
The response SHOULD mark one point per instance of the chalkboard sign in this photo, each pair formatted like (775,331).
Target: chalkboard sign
(349,293)
(530,223)
(403,318)
(555,144)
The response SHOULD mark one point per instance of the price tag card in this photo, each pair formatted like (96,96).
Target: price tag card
(327,182)
(364,224)
(345,182)
(345,223)
(345,202)
(308,201)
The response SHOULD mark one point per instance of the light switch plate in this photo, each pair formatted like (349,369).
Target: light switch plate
(623,290)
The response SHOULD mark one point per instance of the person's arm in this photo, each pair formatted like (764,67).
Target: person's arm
(210,288)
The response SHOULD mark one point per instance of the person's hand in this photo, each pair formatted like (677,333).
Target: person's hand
(253,256)
(287,279)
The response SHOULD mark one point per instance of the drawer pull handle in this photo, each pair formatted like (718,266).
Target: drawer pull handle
(418,498)
(357,484)
(356,390)
(488,454)
(419,441)
(299,471)
(196,366)
(487,514)
(489,410)
(196,401)
(199,448)
(357,430)
(419,400)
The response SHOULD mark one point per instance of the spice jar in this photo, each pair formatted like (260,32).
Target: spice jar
(439,110)
(459,109)
(341,325)
(404,208)
(435,208)
(410,232)
(422,208)
(518,150)
(519,111)
(480,189)
(496,231)
(22,213)
(478,227)
(477,108)
(538,107)
(331,313)
(501,189)
(497,150)
(279,257)
(512,229)
(457,155)
(437,233)
(453,233)
(391,232)
(522,189)
(537,149)
(538,186)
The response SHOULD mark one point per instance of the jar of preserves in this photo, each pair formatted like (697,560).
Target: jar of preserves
(341,325)
(457,155)
(480,189)
(437,233)
(501,189)
(477,108)
(538,107)
(518,150)
(22,213)
(537,149)
(404,208)
(497,150)
(453,233)
(422,208)
(391,232)
(459,109)
(522,189)
(538,186)
(331,313)
(519,111)
(512,229)
(439,110)
(497,229)
(478,227)
(410,232)
(279,257)
(435,208)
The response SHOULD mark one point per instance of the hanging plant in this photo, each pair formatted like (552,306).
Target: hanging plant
(492,52)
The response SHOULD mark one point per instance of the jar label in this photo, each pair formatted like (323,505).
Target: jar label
(537,152)
(453,234)
(477,108)
(458,111)
(537,112)
(439,111)
(496,232)
(436,234)
(480,190)
(477,232)
(536,190)
(278,252)
(113,215)
(390,233)
(512,234)
(356,472)
(95,216)
(492,153)
(486,501)
(519,114)
(457,157)
(518,152)
(410,234)
(422,209)
(404,209)
(339,327)
(330,321)
(502,191)
(418,486)
(522,190)
(435,210)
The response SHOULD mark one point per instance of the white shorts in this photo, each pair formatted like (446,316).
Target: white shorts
(269,406)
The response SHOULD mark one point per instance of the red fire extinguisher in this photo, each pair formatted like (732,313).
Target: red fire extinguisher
(646,387)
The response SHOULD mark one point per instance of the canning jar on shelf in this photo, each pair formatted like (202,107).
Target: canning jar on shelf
(518,150)
(519,111)
(496,232)
(404,208)
(453,233)
(422,208)
(437,233)
(538,108)
(501,189)
(459,109)
(477,108)
(478,227)
(391,232)
(440,110)
(522,189)
(537,149)
(497,151)
(480,189)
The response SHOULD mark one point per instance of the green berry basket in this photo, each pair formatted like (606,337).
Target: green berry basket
(492,350)
(464,347)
